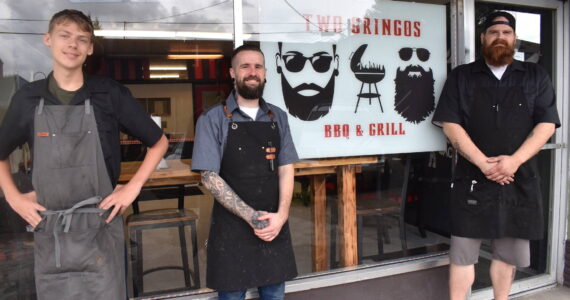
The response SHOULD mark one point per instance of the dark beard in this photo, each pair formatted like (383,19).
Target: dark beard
(308,108)
(414,99)
(248,92)
(498,56)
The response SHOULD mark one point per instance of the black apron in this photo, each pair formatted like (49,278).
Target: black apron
(77,255)
(237,258)
(499,121)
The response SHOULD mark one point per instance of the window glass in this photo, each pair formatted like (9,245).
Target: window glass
(173,56)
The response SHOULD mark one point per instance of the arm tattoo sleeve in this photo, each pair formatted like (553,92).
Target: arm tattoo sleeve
(224,194)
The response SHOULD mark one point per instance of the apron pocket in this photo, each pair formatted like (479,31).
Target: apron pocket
(66,148)
(82,249)
(475,195)
(524,192)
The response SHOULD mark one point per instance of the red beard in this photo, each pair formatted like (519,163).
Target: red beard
(498,55)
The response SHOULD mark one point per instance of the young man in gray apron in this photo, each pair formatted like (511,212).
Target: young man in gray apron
(244,151)
(498,113)
(72,122)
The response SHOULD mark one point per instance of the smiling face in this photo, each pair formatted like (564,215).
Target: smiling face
(248,70)
(69,46)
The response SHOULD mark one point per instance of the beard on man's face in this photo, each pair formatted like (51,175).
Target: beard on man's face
(414,99)
(498,53)
(247,92)
(308,108)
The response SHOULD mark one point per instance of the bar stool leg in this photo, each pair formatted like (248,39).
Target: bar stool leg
(184,253)
(195,255)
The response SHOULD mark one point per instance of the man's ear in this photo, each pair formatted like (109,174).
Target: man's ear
(232,74)
(47,39)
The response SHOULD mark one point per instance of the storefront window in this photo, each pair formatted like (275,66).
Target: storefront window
(535,43)
(338,70)
(174,58)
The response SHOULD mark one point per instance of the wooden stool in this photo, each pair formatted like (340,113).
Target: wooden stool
(163,218)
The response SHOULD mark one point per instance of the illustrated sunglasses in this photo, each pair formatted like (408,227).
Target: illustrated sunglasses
(296,62)
(406,53)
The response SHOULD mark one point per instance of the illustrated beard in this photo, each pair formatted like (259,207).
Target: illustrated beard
(308,108)
(498,56)
(414,99)
(247,92)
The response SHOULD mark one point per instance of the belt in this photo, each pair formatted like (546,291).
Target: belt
(64,219)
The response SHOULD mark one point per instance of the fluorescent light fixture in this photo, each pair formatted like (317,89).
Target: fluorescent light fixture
(158,34)
(194,56)
(163,76)
(167,68)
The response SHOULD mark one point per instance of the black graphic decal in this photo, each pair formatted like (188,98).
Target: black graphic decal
(370,74)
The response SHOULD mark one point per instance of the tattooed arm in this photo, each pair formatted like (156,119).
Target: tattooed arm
(224,194)
(465,146)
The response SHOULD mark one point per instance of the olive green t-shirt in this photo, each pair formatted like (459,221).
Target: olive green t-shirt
(60,94)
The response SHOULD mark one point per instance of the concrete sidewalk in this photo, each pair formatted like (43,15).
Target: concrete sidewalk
(556,293)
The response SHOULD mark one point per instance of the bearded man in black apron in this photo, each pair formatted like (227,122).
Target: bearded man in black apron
(497,112)
(72,122)
(244,151)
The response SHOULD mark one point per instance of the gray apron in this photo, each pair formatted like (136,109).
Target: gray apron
(77,255)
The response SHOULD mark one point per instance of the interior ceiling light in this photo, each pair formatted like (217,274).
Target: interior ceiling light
(194,56)
(167,68)
(152,34)
(162,76)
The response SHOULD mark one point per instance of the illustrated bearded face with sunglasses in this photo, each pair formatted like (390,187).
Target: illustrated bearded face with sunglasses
(308,74)
(414,99)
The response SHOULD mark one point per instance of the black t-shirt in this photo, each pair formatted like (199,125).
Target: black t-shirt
(462,83)
(115,110)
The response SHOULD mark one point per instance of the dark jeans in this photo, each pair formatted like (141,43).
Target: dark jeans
(268,292)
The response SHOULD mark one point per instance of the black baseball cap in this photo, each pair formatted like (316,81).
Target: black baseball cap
(490,20)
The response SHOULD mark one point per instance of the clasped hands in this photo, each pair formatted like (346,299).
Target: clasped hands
(500,169)
(267,226)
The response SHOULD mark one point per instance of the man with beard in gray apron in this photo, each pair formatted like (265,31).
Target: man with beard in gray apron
(244,151)
(72,122)
(498,113)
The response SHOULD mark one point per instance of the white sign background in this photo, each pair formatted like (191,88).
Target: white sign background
(359,132)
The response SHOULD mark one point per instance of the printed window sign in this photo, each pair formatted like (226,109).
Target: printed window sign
(356,77)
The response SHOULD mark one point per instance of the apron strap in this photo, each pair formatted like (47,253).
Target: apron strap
(41,106)
(88,106)
(64,219)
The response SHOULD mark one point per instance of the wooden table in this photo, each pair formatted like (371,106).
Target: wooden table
(178,172)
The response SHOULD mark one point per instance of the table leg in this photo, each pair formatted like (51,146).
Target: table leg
(348,247)
(318,209)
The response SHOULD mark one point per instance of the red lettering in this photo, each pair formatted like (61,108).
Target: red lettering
(407,28)
(355,27)
(397,27)
(375,26)
(366,26)
(345,130)
(386,28)
(328,131)
(417,31)
(336,130)
(308,21)
(402,132)
(359,131)
(323,22)
(337,22)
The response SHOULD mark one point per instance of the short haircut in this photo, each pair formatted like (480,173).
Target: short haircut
(245,47)
(83,21)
